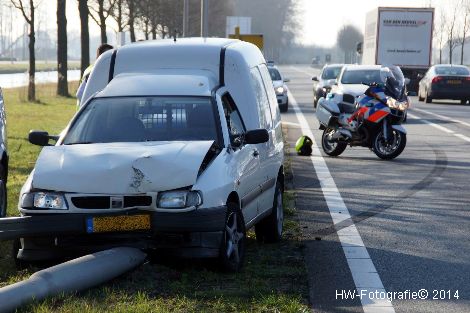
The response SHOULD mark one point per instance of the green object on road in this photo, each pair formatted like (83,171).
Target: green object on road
(303,146)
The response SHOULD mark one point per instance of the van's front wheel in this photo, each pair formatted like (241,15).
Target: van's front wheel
(232,251)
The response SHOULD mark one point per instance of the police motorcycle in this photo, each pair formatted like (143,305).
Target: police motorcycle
(371,120)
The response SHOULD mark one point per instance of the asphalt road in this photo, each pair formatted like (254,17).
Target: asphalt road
(412,213)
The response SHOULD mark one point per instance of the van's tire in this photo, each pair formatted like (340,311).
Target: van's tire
(3,193)
(232,249)
(270,229)
(332,148)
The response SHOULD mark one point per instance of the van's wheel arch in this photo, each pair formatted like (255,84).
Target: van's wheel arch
(270,228)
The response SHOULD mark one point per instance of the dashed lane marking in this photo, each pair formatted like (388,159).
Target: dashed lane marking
(440,127)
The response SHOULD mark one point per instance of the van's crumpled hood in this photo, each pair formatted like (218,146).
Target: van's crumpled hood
(119,168)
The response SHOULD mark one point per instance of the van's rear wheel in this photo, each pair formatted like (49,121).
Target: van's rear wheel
(270,228)
(332,147)
(232,250)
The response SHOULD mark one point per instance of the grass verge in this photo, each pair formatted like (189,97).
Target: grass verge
(273,279)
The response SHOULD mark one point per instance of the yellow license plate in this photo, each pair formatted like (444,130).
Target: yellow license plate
(454,82)
(118,223)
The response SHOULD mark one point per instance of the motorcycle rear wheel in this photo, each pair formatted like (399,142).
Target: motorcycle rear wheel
(330,147)
(389,150)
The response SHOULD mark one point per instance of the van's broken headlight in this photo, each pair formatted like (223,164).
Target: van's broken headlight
(179,199)
(44,201)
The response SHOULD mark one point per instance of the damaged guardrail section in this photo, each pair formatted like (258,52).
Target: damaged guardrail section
(72,276)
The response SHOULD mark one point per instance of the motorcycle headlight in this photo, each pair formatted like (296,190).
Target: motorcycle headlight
(280,90)
(397,105)
(44,201)
(179,199)
(403,105)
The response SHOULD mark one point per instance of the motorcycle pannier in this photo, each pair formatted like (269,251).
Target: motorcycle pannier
(325,116)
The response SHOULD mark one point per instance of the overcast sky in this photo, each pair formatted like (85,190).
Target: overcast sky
(321,22)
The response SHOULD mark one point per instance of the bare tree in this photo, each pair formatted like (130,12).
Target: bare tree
(84,35)
(118,13)
(28,12)
(347,40)
(62,84)
(439,32)
(465,5)
(131,18)
(451,29)
(100,10)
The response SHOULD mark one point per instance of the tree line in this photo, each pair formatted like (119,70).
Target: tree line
(152,19)
(451,29)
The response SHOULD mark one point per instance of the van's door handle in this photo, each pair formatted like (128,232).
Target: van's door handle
(255,153)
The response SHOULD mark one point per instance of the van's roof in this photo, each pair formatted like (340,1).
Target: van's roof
(161,83)
(184,53)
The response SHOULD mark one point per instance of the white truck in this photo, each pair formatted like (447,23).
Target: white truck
(399,36)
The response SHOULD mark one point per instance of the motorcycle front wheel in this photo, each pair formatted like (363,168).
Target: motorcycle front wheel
(390,149)
(331,147)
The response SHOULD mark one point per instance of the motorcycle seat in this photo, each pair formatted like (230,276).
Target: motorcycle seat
(345,107)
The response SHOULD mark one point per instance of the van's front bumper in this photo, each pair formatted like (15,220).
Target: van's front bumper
(196,233)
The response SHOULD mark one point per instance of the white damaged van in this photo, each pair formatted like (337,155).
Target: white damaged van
(177,147)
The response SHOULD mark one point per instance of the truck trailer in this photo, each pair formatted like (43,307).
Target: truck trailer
(400,36)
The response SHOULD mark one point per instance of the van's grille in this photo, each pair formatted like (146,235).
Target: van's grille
(104,202)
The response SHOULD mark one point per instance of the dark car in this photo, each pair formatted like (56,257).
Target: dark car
(445,82)
(322,85)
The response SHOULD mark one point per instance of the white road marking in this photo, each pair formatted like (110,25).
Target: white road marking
(362,268)
(440,127)
(442,117)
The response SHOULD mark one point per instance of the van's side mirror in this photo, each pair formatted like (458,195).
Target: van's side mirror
(315,79)
(407,81)
(40,138)
(335,83)
(256,136)
(286,80)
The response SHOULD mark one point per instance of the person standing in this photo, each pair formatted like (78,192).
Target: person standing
(86,74)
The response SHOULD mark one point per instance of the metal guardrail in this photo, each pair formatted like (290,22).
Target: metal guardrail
(29,226)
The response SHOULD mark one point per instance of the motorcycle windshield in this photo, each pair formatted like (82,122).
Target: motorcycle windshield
(394,82)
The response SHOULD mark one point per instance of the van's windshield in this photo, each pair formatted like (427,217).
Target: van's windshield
(137,119)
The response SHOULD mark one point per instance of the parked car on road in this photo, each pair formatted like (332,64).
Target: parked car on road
(172,150)
(280,87)
(445,81)
(3,158)
(322,84)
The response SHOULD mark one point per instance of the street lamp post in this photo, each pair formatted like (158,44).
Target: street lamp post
(185,18)
(204,18)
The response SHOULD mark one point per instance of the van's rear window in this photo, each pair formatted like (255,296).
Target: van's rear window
(137,119)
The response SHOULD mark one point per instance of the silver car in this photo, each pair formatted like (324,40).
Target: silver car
(279,87)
